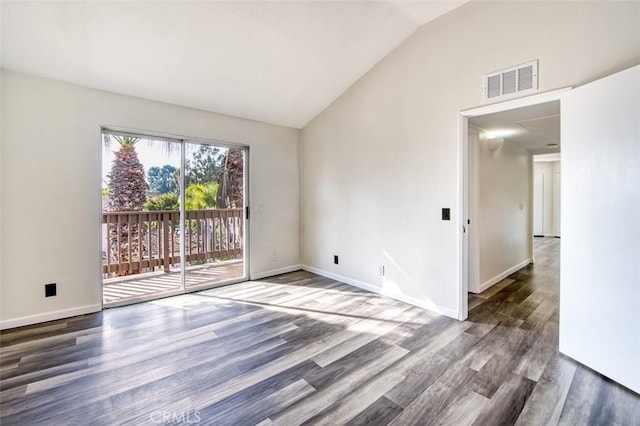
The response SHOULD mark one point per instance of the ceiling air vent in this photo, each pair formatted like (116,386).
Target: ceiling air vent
(511,81)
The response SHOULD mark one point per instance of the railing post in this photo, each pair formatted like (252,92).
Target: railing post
(165,237)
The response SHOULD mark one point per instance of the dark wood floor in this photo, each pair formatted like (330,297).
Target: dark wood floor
(299,348)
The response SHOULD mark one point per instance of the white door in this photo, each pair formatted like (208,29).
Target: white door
(538,204)
(556,204)
(600,276)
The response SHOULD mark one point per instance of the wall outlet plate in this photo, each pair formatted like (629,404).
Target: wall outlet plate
(50,290)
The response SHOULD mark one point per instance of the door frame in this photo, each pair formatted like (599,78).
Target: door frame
(542,205)
(465,205)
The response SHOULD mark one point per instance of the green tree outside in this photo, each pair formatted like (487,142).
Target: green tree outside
(197,197)
(201,196)
(205,165)
(161,202)
(163,179)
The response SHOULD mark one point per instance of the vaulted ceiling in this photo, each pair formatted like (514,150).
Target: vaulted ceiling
(278,62)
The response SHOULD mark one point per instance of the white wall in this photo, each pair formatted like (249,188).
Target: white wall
(504,214)
(380,163)
(50,189)
(600,273)
(548,169)
(556,214)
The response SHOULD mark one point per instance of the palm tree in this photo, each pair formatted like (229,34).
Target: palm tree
(230,189)
(127,192)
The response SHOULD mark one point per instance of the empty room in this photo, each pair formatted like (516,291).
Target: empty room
(319,212)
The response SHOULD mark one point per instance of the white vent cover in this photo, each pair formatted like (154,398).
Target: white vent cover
(510,81)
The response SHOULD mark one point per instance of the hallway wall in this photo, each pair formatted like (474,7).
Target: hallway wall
(504,213)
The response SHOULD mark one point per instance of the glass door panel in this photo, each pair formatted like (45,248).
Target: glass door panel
(214,223)
(140,218)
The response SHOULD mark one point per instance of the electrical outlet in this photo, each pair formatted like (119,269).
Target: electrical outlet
(50,290)
(274,256)
(335,259)
(381,270)
(446,214)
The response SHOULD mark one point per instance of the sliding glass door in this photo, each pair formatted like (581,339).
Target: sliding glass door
(172,217)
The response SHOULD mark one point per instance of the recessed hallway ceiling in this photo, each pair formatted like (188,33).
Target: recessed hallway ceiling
(278,62)
(533,127)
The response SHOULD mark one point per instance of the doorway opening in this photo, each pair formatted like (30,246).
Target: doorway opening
(546,195)
(173,216)
(498,145)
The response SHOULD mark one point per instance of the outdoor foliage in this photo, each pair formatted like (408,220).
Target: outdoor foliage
(198,197)
(231,191)
(201,196)
(205,166)
(164,179)
(168,201)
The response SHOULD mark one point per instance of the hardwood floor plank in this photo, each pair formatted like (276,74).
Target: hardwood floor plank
(463,410)
(366,332)
(505,406)
(545,404)
(534,361)
(357,401)
(477,358)
(508,344)
(323,398)
(494,289)
(583,403)
(427,407)
(425,334)
(324,377)
(422,368)
(380,412)
(263,400)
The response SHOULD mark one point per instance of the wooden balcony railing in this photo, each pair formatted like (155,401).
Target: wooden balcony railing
(142,241)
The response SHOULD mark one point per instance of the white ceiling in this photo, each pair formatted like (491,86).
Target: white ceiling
(533,127)
(278,62)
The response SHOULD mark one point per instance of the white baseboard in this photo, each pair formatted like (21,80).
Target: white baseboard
(49,316)
(278,271)
(485,285)
(383,292)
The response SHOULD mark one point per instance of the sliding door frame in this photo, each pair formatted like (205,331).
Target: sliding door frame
(183,141)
